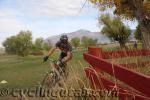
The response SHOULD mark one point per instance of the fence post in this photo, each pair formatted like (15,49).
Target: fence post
(95,51)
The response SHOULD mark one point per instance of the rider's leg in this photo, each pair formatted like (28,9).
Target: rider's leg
(62,56)
(65,59)
(63,69)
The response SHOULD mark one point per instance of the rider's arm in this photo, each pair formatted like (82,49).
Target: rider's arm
(51,51)
(68,57)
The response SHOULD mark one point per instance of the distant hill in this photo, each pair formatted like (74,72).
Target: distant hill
(82,32)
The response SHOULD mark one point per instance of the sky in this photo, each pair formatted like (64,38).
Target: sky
(47,17)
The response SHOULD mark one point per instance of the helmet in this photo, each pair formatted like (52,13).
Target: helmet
(64,38)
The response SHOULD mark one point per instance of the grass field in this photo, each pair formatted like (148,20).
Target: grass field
(25,72)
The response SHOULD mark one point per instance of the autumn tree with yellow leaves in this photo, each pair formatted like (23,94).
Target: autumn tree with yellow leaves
(131,9)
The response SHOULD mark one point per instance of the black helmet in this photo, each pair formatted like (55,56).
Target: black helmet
(64,38)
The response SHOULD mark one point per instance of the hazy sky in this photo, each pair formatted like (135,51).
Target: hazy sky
(46,17)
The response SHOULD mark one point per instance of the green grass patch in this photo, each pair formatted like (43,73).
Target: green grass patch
(25,72)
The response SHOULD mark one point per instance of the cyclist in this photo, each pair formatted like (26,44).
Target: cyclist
(66,52)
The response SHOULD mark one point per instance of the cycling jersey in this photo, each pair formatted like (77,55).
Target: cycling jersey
(65,47)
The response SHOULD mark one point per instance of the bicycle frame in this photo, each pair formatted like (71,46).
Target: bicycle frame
(58,68)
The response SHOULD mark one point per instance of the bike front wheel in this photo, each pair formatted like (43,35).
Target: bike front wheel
(49,80)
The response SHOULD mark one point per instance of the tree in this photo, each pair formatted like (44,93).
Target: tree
(130,9)
(23,43)
(37,46)
(137,33)
(115,29)
(87,41)
(39,43)
(10,45)
(20,44)
(47,46)
(75,42)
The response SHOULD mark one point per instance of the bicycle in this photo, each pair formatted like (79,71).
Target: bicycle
(55,75)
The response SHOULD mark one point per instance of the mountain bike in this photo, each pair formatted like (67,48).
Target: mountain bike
(53,76)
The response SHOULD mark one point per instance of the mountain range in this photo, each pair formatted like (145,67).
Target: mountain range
(82,32)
